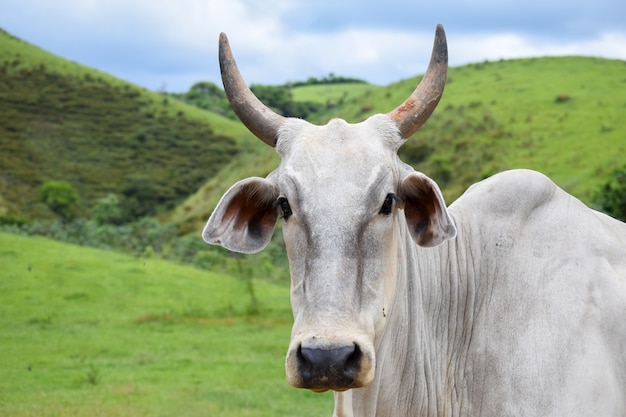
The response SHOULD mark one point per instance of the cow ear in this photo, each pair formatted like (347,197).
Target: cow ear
(428,219)
(244,219)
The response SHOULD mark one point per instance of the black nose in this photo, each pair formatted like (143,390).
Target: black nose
(334,368)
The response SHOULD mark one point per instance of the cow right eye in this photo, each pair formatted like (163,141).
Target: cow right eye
(284,207)
(387,205)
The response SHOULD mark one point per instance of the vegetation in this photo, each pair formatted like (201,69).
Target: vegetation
(208,96)
(330,79)
(611,198)
(149,237)
(98,135)
(281,100)
(86,332)
(60,197)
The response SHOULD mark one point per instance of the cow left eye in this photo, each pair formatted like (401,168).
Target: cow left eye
(387,205)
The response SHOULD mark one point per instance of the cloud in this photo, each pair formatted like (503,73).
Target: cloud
(472,48)
(173,43)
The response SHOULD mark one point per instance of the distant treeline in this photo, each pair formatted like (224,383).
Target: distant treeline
(208,96)
(329,79)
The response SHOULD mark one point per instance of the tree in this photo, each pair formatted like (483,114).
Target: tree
(206,89)
(60,197)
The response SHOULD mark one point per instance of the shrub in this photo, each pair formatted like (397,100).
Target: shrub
(611,198)
(60,197)
(108,210)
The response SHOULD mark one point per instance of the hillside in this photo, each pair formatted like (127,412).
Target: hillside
(561,116)
(60,121)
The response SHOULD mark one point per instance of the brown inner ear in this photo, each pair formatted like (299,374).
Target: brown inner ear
(419,207)
(253,209)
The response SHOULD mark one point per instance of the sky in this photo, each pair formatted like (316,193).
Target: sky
(168,45)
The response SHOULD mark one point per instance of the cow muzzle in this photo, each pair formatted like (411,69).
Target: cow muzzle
(320,366)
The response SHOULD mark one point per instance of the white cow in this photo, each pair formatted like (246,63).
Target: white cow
(511,302)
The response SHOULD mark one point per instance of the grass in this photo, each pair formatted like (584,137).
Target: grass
(85,332)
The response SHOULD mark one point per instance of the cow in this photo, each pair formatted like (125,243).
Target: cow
(509,302)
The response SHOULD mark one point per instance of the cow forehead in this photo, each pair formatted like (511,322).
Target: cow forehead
(339,153)
(375,132)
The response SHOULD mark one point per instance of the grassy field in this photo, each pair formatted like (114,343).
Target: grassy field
(91,333)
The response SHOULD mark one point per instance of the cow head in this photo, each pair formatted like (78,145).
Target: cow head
(345,198)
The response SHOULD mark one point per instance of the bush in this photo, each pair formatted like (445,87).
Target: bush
(60,197)
(611,198)
(108,210)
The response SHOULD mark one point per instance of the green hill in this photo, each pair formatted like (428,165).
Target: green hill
(63,121)
(85,332)
(561,116)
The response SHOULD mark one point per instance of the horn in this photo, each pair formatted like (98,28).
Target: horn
(414,112)
(256,116)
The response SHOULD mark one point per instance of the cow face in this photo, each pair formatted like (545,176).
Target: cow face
(346,200)
(344,196)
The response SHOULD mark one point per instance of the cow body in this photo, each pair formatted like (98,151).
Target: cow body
(522,314)
(511,302)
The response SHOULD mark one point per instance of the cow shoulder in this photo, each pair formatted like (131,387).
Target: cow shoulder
(515,192)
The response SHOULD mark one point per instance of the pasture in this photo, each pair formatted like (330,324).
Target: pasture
(85,332)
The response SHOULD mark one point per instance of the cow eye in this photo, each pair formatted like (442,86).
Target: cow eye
(387,204)
(284,207)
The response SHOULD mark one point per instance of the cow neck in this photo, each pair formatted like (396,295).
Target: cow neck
(422,353)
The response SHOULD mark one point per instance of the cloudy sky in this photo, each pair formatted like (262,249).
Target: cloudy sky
(170,44)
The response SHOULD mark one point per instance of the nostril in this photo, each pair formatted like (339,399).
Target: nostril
(353,363)
(320,358)
(335,367)
(304,363)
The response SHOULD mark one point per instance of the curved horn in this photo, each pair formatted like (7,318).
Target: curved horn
(258,118)
(414,112)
